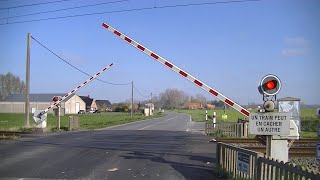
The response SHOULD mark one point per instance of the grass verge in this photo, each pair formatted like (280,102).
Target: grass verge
(15,122)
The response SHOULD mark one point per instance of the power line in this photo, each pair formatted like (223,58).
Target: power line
(64,9)
(83,71)
(140,92)
(132,10)
(119,84)
(34,4)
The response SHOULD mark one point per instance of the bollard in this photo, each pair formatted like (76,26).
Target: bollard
(214,119)
(70,122)
(73,122)
(206,115)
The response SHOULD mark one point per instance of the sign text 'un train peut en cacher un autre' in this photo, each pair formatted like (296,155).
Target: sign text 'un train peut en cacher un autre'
(269,123)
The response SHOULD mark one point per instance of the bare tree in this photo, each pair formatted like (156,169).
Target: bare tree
(172,99)
(10,84)
(202,99)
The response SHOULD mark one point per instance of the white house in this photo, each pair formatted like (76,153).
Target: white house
(16,103)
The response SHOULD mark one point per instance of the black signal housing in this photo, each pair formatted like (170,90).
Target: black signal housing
(270,85)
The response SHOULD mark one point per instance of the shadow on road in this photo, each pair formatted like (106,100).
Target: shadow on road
(189,170)
(190,155)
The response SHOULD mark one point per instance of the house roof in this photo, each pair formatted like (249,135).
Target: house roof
(149,105)
(35,97)
(87,100)
(194,104)
(101,102)
(289,99)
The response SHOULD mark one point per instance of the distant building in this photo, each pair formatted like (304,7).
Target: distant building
(90,103)
(149,109)
(210,106)
(103,105)
(16,103)
(193,105)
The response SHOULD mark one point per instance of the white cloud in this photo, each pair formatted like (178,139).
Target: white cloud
(296,41)
(293,52)
(295,46)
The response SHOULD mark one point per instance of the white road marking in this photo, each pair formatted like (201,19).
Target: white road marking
(113,169)
(187,130)
(135,122)
(157,123)
(190,118)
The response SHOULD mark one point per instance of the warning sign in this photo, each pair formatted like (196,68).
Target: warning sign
(269,123)
(243,162)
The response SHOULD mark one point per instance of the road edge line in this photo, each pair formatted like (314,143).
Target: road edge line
(128,123)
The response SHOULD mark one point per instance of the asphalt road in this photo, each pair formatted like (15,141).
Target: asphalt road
(170,147)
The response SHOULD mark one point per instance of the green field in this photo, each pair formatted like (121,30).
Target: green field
(200,115)
(309,119)
(15,122)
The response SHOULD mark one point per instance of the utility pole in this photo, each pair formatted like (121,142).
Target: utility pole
(27,91)
(131,99)
(151,97)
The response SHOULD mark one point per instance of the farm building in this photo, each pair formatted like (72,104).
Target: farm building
(90,103)
(16,103)
(210,106)
(103,105)
(193,105)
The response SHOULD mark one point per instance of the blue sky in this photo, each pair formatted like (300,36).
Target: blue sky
(230,47)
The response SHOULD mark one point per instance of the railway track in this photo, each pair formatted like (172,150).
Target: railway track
(253,140)
(10,134)
(299,148)
(293,151)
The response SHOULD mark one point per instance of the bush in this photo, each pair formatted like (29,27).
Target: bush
(310,124)
(121,108)
(222,174)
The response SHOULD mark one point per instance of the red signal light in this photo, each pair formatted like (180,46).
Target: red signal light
(55,99)
(270,85)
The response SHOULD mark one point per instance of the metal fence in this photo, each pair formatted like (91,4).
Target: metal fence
(257,166)
(227,129)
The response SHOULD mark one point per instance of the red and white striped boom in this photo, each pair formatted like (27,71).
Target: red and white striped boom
(78,87)
(176,69)
(73,91)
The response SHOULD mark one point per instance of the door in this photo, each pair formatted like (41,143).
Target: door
(77,107)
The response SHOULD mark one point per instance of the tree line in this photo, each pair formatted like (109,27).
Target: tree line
(10,84)
(169,99)
(177,99)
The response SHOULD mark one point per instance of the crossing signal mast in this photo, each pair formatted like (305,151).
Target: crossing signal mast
(276,127)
